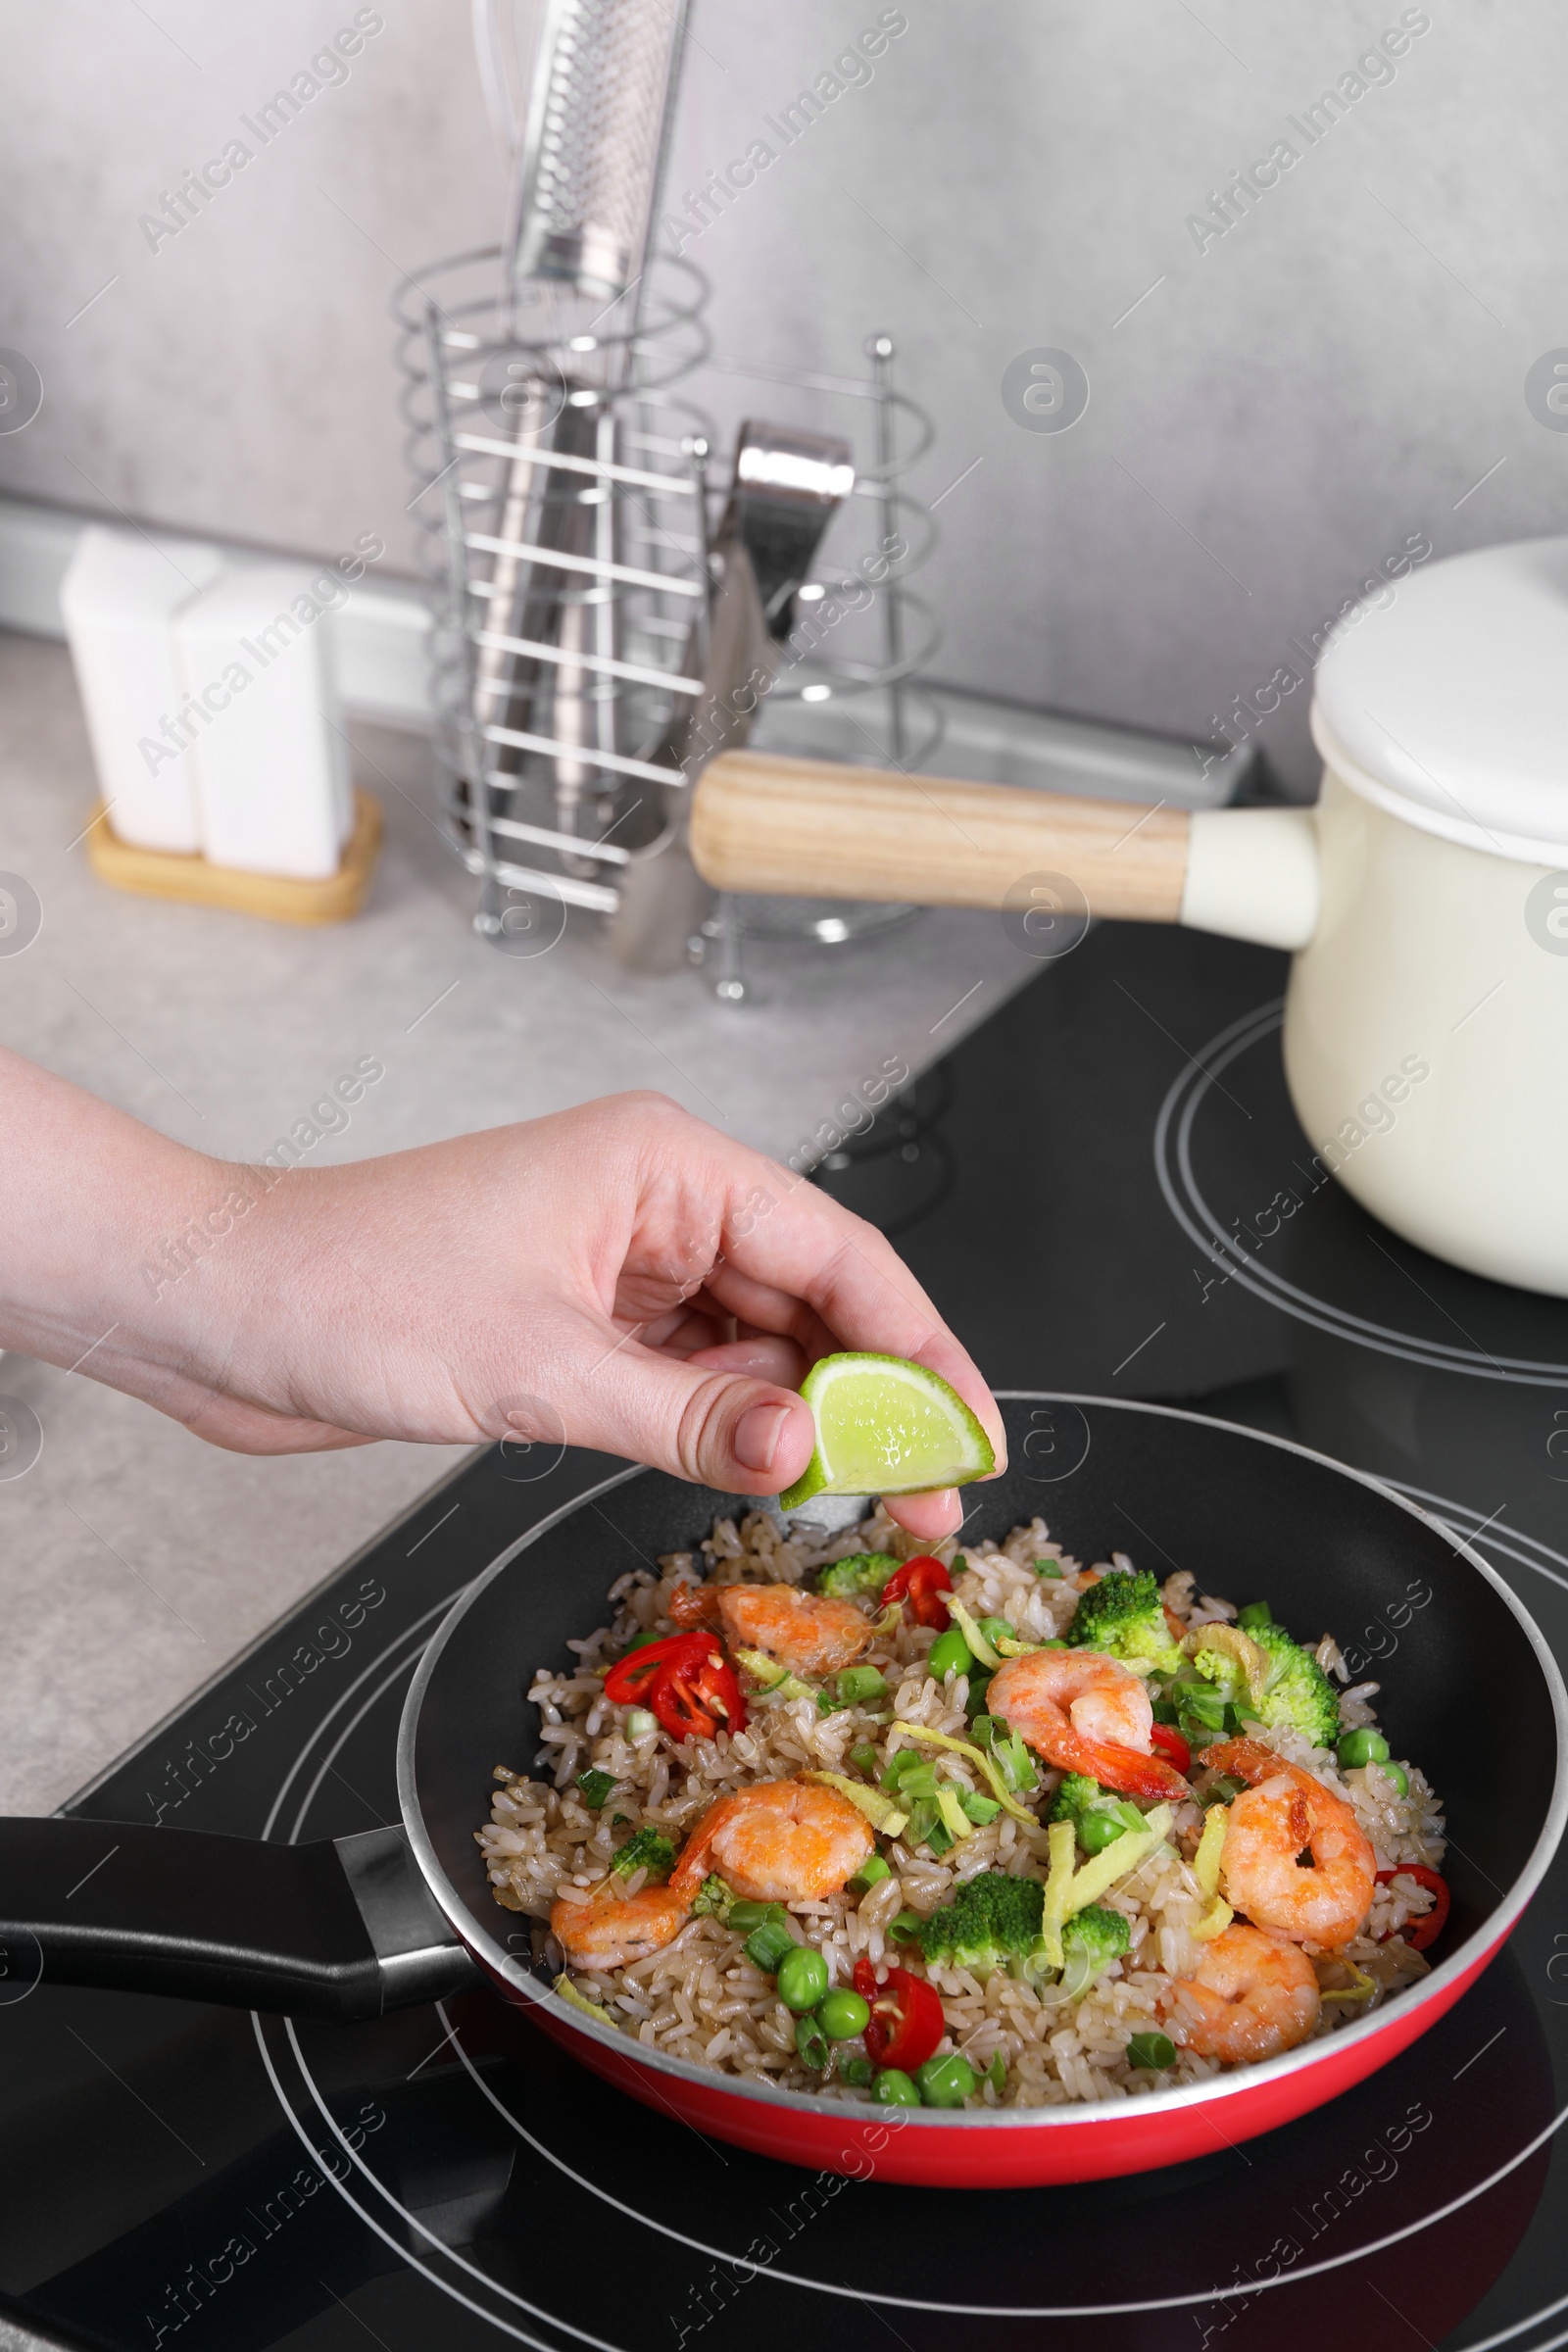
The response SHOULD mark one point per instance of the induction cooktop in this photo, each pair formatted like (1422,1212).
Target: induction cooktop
(1105,1189)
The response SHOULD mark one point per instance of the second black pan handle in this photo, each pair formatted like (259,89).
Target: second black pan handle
(343,1928)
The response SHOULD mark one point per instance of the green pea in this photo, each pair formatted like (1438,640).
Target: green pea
(894,2088)
(946,2081)
(1155,2050)
(871,1871)
(841,2014)
(950,1654)
(802,1977)
(1362,1746)
(1398,1775)
(997,1629)
(1096,1831)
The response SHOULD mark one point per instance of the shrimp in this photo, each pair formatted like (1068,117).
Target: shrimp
(809,1630)
(1285,1813)
(1250,1996)
(1086,1713)
(612,1930)
(780,1842)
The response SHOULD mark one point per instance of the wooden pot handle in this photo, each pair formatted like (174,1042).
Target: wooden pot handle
(811,829)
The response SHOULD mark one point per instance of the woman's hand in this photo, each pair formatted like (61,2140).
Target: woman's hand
(621,1276)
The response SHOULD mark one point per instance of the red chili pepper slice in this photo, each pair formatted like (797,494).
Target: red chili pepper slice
(906,2020)
(1168,1743)
(628,1679)
(920,1584)
(1418,1933)
(686,1679)
(698,1700)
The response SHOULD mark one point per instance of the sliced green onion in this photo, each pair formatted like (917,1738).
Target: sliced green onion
(1155,2050)
(812,2043)
(996,2074)
(872,1871)
(980,1810)
(1048,1568)
(766,1946)
(857,2072)
(906,1926)
(1256,1613)
(596,1786)
(858,1684)
(863,1757)
(745,1915)
(640,1722)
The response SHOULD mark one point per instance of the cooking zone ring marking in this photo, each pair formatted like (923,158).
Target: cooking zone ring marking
(1198,1222)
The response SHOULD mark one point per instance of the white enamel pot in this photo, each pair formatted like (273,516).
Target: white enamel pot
(1425,897)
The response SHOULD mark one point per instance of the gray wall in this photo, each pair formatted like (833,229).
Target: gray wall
(1280,414)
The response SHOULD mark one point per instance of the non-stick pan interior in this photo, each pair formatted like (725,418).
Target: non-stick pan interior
(1463,1693)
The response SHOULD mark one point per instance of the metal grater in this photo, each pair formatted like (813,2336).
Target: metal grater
(589,171)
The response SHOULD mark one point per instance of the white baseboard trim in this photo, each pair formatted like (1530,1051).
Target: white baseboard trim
(383,673)
(378,633)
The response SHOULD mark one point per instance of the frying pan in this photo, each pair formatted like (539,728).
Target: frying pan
(349,1927)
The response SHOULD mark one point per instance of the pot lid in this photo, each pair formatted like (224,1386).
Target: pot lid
(1444,698)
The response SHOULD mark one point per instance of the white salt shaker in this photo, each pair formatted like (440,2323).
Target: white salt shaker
(120,599)
(254,654)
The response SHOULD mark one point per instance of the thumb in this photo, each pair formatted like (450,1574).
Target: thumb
(717,1428)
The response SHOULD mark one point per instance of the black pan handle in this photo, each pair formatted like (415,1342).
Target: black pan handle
(343,1928)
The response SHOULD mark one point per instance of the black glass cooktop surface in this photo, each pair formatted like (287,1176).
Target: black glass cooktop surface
(1107,1191)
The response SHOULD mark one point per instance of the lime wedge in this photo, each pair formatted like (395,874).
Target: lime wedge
(886,1427)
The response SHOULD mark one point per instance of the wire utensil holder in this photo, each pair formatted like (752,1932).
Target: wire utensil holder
(563,533)
(564,518)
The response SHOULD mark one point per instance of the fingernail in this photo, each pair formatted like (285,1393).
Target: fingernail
(757,1433)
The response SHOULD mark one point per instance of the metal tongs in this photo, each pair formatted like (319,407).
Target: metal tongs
(787,486)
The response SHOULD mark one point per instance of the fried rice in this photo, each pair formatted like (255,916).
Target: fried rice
(703,1998)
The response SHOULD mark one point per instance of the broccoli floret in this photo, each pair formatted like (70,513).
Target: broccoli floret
(712,1899)
(645,1849)
(1095,1937)
(1296,1694)
(1124,1616)
(1076,1793)
(862,1572)
(994,1919)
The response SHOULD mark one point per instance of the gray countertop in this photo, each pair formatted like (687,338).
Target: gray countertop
(135,1560)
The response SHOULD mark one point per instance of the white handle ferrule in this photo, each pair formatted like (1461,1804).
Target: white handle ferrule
(1252,874)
